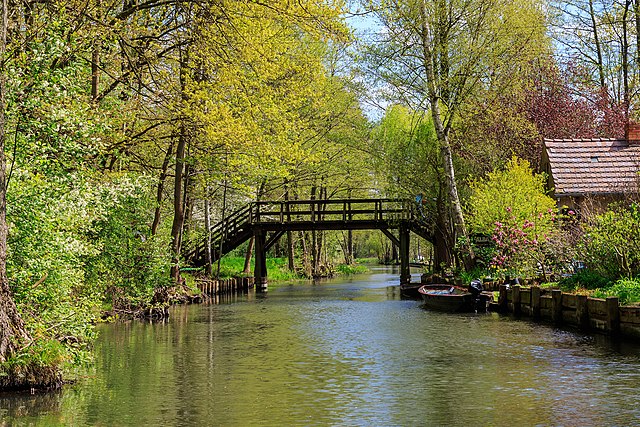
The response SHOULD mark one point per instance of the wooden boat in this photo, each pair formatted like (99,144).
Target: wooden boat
(451,299)
(410,290)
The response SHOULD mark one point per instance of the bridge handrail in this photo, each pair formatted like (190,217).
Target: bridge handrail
(317,210)
(377,209)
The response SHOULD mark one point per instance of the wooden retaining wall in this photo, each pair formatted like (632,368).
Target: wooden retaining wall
(211,288)
(588,314)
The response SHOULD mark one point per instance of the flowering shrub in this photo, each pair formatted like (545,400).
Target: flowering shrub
(523,247)
(512,207)
(513,192)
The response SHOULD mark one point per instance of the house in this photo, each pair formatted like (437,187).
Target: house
(591,173)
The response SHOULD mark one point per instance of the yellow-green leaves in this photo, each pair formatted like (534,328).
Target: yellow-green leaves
(512,192)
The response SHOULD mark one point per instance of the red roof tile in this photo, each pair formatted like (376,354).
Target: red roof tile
(593,166)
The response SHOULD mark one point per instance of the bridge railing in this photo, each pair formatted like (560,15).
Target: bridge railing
(345,210)
(331,210)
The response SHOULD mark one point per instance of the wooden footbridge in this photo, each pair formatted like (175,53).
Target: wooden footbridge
(267,221)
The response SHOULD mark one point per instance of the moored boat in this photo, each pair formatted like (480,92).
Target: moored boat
(451,299)
(410,290)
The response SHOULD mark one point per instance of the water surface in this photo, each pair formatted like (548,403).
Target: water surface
(347,352)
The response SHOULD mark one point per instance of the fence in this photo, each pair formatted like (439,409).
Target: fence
(597,314)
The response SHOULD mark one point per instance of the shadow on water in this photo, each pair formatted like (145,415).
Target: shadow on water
(25,404)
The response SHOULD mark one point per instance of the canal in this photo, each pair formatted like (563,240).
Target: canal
(346,352)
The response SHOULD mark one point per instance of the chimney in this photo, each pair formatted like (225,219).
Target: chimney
(632,133)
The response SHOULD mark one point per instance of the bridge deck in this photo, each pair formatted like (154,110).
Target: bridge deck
(260,218)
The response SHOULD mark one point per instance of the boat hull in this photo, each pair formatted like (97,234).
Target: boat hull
(456,301)
(410,290)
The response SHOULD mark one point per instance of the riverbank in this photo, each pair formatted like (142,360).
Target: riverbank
(588,314)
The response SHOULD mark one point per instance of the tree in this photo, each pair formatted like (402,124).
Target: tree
(12,329)
(601,40)
(405,147)
(436,55)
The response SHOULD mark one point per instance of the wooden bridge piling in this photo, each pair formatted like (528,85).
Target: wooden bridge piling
(260,267)
(405,273)
(211,287)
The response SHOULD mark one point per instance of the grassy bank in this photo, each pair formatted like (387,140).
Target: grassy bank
(278,269)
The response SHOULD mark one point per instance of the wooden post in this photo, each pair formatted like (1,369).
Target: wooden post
(405,273)
(260,268)
(613,315)
(556,306)
(582,312)
(515,299)
(503,302)
(535,302)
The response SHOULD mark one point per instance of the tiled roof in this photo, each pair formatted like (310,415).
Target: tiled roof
(593,166)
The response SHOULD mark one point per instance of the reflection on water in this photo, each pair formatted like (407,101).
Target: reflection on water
(342,352)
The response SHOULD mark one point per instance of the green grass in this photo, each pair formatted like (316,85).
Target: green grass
(627,290)
(277,268)
(346,269)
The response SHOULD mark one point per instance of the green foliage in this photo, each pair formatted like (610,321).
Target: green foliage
(627,290)
(584,279)
(89,248)
(46,248)
(475,273)
(129,263)
(406,153)
(611,243)
(512,207)
(351,269)
(513,192)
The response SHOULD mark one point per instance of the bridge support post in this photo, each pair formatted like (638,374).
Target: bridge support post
(260,268)
(405,274)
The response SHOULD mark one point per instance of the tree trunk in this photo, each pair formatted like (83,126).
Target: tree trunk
(625,59)
(306,263)
(178,197)
(442,133)
(207,226)
(290,247)
(636,10)
(314,235)
(247,257)
(160,190)
(178,203)
(596,39)
(395,255)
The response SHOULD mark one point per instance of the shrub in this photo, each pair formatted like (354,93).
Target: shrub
(511,206)
(585,279)
(351,269)
(627,290)
(611,243)
(514,194)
